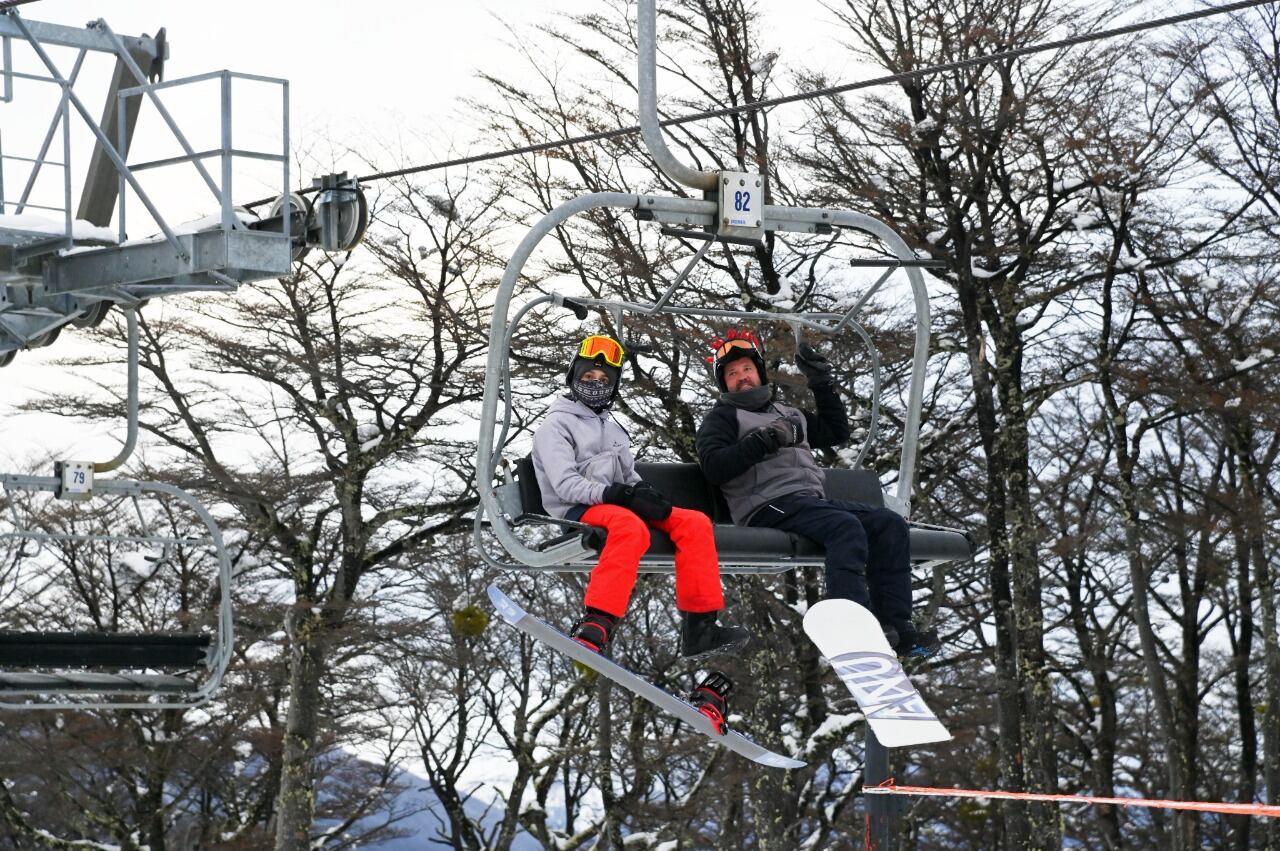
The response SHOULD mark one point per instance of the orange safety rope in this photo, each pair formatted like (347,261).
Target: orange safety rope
(890,788)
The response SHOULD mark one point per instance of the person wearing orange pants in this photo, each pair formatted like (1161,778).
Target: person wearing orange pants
(585,471)
(697,565)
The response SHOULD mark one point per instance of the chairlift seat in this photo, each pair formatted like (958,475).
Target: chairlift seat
(102,650)
(686,487)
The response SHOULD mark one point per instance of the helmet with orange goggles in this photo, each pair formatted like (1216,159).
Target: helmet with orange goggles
(598,352)
(733,345)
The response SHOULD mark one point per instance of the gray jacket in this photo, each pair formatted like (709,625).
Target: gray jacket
(577,453)
(747,476)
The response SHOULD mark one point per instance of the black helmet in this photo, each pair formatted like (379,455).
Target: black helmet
(598,352)
(736,344)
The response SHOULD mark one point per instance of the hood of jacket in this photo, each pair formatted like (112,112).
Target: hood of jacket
(569,405)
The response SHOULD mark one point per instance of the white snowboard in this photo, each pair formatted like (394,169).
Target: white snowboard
(852,641)
(547,634)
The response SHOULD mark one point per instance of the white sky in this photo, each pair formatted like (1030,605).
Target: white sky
(360,74)
(374,70)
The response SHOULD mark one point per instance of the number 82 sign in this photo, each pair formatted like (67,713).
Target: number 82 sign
(741,204)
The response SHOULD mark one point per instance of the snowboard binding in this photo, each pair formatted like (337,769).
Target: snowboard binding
(594,631)
(920,647)
(711,698)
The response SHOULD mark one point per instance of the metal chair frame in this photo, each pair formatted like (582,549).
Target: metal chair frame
(687,215)
(44,687)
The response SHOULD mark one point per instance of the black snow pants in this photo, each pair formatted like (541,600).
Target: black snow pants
(868,550)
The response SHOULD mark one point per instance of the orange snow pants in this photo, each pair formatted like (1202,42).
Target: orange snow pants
(614,576)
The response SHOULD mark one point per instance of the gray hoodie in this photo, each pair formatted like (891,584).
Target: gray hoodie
(577,453)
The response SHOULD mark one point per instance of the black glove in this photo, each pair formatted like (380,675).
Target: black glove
(643,498)
(815,366)
(763,439)
(649,502)
(787,431)
(775,435)
(618,493)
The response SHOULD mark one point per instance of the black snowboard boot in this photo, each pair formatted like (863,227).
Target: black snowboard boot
(700,635)
(711,698)
(595,630)
(916,646)
(891,635)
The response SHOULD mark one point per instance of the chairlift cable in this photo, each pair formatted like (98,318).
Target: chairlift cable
(902,76)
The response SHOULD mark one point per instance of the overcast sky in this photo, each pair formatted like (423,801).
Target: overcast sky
(354,65)
(357,71)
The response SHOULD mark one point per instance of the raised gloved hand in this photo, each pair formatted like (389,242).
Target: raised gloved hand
(815,366)
(643,498)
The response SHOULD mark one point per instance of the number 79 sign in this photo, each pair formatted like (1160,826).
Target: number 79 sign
(75,479)
(741,204)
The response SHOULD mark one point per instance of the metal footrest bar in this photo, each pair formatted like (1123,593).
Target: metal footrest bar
(91,683)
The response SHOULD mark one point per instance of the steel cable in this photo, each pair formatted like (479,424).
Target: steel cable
(887,79)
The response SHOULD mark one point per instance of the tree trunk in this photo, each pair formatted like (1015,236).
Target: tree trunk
(1039,751)
(1103,761)
(1265,584)
(295,805)
(1243,647)
(611,827)
(1139,579)
(1013,826)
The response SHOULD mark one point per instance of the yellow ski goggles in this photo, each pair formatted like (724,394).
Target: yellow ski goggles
(598,345)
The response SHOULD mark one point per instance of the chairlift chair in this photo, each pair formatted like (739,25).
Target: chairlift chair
(116,670)
(731,208)
(733,212)
(741,549)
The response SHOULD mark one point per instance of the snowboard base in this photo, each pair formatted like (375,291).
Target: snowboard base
(851,639)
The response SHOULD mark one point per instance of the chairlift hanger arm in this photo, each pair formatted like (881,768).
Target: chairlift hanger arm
(650,129)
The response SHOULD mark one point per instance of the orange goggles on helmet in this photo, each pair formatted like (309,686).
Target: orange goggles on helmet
(736,343)
(598,345)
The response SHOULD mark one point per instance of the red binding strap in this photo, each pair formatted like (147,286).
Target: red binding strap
(716,717)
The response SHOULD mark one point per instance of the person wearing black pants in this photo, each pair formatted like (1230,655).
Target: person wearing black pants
(854,535)
(759,451)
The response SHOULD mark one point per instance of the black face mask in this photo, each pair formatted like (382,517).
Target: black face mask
(750,399)
(594,394)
